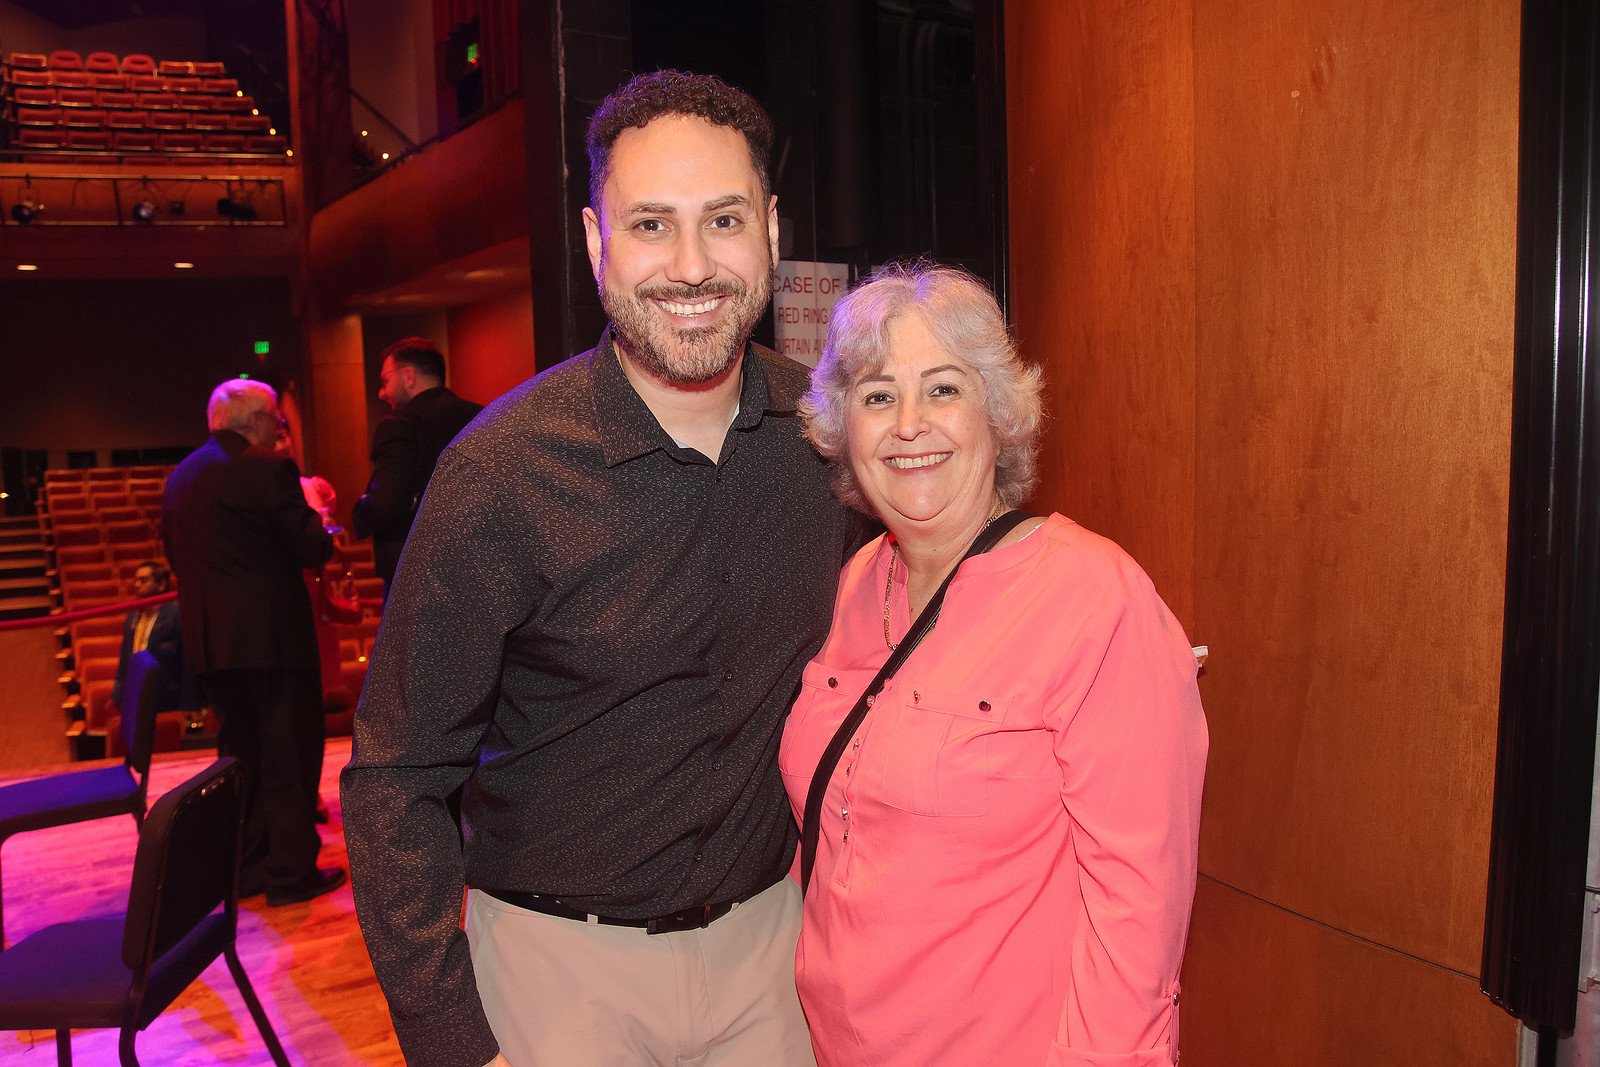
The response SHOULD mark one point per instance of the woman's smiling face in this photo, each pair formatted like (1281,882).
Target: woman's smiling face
(920,443)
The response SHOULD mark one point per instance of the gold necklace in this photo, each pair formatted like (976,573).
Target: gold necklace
(894,554)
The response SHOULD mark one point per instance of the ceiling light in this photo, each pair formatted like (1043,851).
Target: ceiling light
(184,266)
(27,266)
(386,155)
(144,211)
(26,210)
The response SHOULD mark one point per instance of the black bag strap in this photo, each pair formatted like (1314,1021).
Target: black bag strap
(810,826)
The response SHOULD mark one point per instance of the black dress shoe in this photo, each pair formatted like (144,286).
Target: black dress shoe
(323,881)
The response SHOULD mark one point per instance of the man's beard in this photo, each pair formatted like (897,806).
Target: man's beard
(695,355)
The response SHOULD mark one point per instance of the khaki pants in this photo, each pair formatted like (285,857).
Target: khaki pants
(562,993)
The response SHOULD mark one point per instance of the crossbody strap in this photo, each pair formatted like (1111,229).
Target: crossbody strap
(810,826)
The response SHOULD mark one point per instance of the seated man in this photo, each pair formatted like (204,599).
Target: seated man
(155,628)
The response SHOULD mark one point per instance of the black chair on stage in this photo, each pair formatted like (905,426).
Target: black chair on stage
(78,796)
(183,912)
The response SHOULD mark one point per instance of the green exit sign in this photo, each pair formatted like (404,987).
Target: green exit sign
(263,348)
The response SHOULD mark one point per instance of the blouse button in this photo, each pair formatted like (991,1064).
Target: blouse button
(983,705)
(833,683)
(916,697)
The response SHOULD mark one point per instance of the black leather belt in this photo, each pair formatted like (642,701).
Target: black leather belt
(694,918)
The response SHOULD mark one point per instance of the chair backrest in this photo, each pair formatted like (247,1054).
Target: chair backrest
(141,698)
(187,863)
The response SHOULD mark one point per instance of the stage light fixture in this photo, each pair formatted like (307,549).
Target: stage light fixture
(26,210)
(240,210)
(144,212)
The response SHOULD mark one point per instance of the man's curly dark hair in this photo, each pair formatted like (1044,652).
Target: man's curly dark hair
(647,97)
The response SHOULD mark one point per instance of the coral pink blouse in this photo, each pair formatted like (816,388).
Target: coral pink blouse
(1007,856)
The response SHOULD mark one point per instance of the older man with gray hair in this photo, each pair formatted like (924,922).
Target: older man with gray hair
(238,534)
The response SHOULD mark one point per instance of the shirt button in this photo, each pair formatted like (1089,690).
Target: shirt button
(845,812)
(833,683)
(698,856)
(983,705)
(727,676)
(856,743)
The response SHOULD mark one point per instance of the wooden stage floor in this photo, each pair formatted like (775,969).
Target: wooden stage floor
(306,961)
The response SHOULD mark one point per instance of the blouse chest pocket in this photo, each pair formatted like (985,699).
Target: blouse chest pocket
(935,749)
(826,696)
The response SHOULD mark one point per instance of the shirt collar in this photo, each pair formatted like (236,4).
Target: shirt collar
(625,424)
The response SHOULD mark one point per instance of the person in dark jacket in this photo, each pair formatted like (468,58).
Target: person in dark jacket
(406,445)
(239,535)
(154,628)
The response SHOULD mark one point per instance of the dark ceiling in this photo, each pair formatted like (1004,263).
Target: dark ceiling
(78,14)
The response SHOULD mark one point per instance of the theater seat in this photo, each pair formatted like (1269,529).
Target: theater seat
(101,62)
(138,63)
(65,59)
(35,79)
(173,68)
(267,145)
(166,120)
(88,118)
(209,68)
(109,81)
(126,120)
(133,141)
(33,97)
(89,140)
(27,61)
(178,142)
(39,116)
(224,142)
(249,123)
(147,83)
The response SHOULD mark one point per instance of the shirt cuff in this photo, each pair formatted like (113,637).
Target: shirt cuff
(460,1037)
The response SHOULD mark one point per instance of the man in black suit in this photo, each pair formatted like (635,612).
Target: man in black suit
(406,445)
(154,628)
(239,533)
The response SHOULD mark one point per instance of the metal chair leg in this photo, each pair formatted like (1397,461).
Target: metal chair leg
(231,954)
(125,1047)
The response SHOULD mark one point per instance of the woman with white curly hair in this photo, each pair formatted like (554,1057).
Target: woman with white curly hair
(997,755)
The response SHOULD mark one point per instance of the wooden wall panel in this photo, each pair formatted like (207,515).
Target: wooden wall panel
(1102,263)
(1264,250)
(1355,173)
(1264,987)
(336,428)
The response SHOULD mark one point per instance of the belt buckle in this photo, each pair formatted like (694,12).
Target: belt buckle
(687,919)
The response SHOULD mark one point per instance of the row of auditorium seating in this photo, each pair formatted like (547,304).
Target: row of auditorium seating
(97,547)
(99,105)
(64,59)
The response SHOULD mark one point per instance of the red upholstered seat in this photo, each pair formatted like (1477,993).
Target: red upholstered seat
(33,96)
(266,145)
(72,79)
(65,59)
(224,142)
(33,78)
(175,68)
(207,121)
(152,101)
(39,116)
(147,83)
(27,61)
(107,98)
(166,120)
(109,81)
(126,120)
(234,105)
(76,97)
(133,141)
(138,63)
(181,84)
(86,534)
(249,123)
(101,62)
(179,142)
(122,533)
(106,474)
(209,68)
(91,118)
(219,85)
(194,102)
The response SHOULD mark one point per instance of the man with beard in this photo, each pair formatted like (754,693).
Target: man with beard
(599,623)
